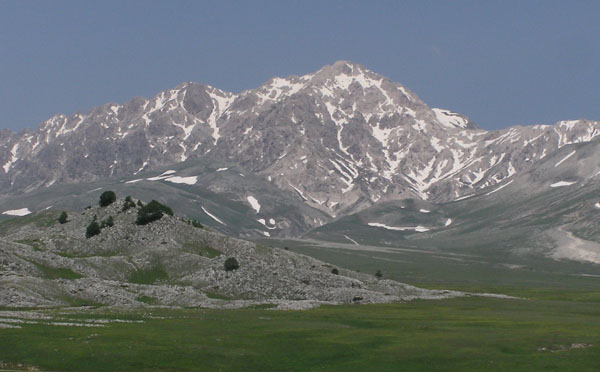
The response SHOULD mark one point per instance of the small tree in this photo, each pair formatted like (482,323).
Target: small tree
(335,271)
(231,264)
(378,274)
(151,212)
(63,218)
(128,203)
(92,229)
(107,222)
(107,198)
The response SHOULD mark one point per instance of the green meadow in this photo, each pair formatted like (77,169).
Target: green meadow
(472,333)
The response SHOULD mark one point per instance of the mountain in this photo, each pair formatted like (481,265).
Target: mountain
(326,145)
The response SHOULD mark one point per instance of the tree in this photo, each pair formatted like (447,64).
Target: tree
(231,264)
(128,203)
(63,218)
(335,271)
(107,222)
(107,198)
(378,274)
(151,212)
(92,229)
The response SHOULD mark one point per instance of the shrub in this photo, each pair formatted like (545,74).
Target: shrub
(378,274)
(231,264)
(107,222)
(335,271)
(196,223)
(151,212)
(129,203)
(63,218)
(92,229)
(107,198)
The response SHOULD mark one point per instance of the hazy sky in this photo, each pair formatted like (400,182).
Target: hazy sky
(500,62)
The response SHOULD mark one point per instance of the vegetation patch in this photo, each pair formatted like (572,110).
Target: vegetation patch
(34,243)
(201,249)
(107,198)
(217,296)
(463,334)
(57,273)
(156,273)
(151,212)
(147,300)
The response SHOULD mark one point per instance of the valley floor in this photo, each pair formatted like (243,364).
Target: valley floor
(448,335)
(553,326)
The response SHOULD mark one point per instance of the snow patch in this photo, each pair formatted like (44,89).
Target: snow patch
(500,188)
(17,212)
(222,169)
(424,211)
(448,222)
(565,158)
(352,240)
(404,228)
(186,180)
(562,183)
(13,158)
(449,119)
(254,203)
(213,216)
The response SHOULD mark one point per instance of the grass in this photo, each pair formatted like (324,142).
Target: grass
(147,300)
(33,243)
(201,249)
(475,334)
(156,273)
(56,273)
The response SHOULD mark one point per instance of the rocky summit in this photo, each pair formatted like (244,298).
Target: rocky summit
(341,139)
(170,261)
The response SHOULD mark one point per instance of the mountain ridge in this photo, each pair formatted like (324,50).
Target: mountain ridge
(342,139)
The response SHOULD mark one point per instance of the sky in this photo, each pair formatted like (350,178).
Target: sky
(501,63)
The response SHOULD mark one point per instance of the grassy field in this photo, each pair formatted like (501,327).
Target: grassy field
(472,334)
(554,326)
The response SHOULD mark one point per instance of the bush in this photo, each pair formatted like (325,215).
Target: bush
(151,212)
(92,229)
(335,271)
(128,204)
(196,223)
(231,264)
(63,218)
(107,198)
(107,222)
(378,274)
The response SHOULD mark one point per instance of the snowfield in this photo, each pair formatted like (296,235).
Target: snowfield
(562,184)
(17,212)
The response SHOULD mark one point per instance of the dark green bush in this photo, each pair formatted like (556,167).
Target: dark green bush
(151,212)
(129,203)
(335,271)
(196,223)
(107,222)
(107,198)
(92,229)
(231,264)
(378,274)
(63,218)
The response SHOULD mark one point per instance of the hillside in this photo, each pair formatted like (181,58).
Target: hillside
(167,262)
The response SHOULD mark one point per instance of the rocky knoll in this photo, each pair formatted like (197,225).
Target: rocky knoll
(170,261)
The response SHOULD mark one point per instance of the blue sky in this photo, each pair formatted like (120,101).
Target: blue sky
(502,63)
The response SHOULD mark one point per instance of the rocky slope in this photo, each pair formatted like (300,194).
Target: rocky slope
(167,262)
(339,139)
